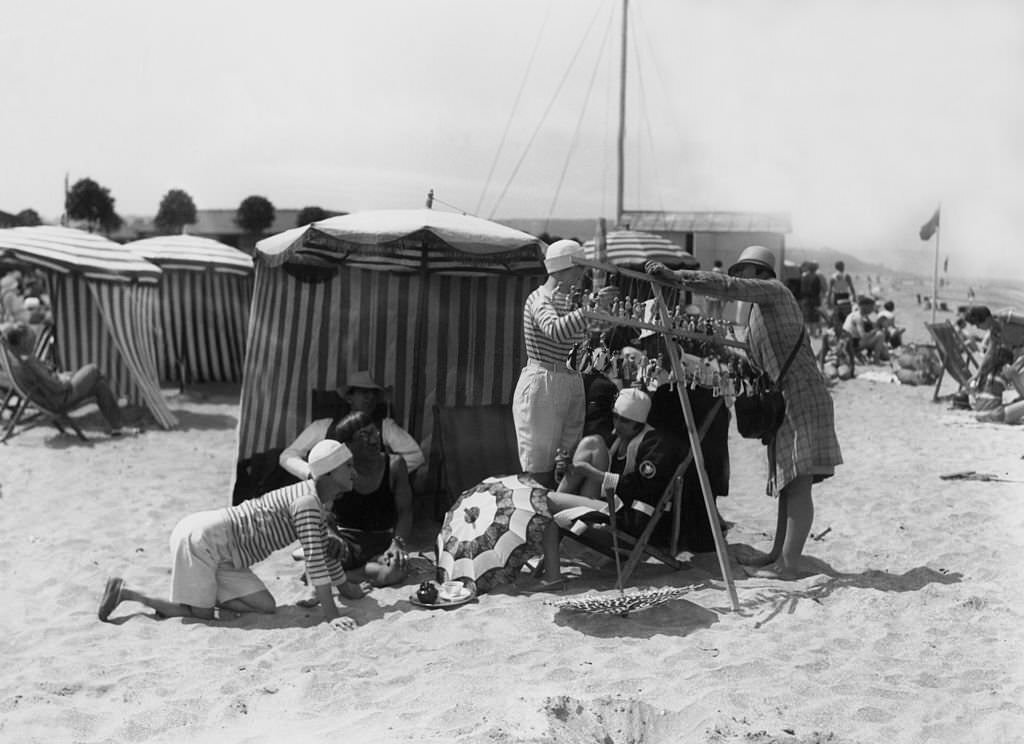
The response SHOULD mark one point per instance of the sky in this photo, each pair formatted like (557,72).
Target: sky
(857,118)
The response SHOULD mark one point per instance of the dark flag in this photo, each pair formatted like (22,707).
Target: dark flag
(928,228)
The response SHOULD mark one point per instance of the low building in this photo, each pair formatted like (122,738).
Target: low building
(712,236)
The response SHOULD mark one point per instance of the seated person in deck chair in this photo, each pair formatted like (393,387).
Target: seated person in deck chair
(362,394)
(1004,349)
(60,391)
(373,517)
(642,462)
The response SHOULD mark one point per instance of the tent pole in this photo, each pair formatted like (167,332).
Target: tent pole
(417,392)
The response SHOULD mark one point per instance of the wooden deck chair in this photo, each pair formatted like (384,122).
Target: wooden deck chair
(473,443)
(11,402)
(634,549)
(670,503)
(956,358)
(58,417)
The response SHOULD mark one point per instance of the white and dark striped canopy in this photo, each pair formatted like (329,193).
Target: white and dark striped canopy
(436,340)
(634,248)
(408,240)
(192,253)
(65,250)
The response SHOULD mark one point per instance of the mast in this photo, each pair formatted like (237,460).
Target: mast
(622,118)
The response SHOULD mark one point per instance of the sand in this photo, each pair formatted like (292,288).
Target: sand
(909,627)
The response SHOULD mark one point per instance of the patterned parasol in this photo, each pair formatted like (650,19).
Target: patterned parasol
(621,603)
(492,530)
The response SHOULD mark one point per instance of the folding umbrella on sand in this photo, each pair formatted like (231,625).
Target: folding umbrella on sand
(492,530)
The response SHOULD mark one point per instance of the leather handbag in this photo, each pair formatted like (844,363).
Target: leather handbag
(760,412)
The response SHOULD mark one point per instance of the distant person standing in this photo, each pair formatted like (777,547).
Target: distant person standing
(840,295)
(549,404)
(810,297)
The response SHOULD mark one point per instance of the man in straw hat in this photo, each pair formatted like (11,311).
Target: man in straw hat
(549,404)
(805,449)
(362,393)
(212,551)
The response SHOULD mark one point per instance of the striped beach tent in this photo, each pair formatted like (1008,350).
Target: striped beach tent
(104,301)
(430,302)
(203,307)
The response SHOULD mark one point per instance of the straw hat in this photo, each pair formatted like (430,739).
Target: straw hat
(362,380)
(326,456)
(560,254)
(756,255)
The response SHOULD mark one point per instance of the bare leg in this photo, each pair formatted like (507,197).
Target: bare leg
(780,536)
(262,601)
(166,608)
(552,564)
(796,504)
(799,518)
(88,382)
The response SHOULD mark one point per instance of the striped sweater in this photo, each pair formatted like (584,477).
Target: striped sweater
(550,328)
(279,518)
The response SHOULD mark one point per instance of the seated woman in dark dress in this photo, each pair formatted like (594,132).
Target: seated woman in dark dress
(374,518)
(371,522)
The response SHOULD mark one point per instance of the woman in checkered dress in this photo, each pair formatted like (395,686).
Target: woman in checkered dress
(806,447)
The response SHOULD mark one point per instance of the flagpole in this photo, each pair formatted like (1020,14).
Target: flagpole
(935,273)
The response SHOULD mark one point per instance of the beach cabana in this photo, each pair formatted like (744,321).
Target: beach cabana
(429,301)
(104,301)
(203,307)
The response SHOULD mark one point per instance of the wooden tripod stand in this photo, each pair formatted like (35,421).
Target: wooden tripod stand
(669,332)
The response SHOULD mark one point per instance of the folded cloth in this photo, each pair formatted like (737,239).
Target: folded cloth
(575,518)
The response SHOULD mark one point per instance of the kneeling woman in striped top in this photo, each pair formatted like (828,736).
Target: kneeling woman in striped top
(213,551)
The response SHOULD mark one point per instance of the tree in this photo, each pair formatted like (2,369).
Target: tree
(89,201)
(176,210)
(28,218)
(313,214)
(255,214)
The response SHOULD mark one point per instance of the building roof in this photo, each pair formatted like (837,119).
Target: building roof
(222,222)
(771,222)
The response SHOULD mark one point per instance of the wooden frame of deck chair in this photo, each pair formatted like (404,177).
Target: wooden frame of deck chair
(57,416)
(669,331)
(956,358)
(472,443)
(13,402)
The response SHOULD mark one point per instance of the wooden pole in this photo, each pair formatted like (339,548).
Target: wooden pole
(622,119)
(935,274)
(698,454)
